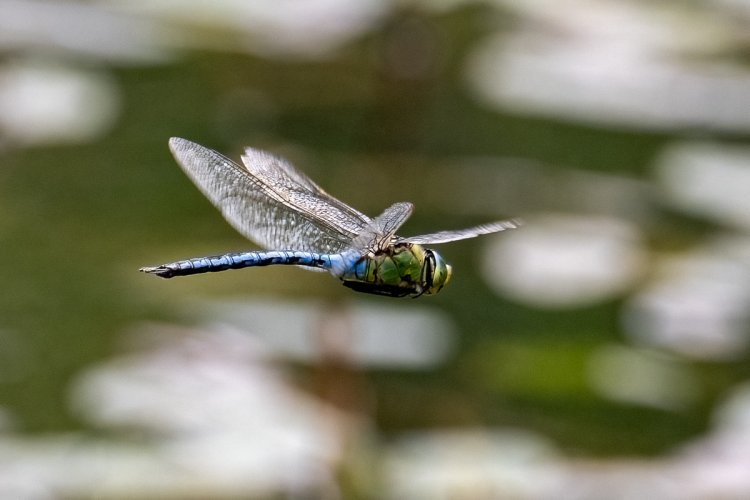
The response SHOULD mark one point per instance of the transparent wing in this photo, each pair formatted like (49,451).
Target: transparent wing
(270,203)
(462,234)
(379,233)
(299,190)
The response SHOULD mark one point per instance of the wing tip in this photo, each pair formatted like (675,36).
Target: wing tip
(505,225)
(515,223)
(178,143)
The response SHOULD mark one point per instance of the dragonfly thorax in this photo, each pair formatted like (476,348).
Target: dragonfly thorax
(404,269)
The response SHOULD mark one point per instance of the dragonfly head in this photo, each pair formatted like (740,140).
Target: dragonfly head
(435,273)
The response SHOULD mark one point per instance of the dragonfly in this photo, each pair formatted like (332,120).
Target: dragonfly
(275,205)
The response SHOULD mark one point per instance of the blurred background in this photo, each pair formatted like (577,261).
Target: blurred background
(600,351)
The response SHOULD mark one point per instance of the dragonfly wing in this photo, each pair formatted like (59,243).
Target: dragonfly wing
(379,233)
(462,234)
(290,215)
(297,188)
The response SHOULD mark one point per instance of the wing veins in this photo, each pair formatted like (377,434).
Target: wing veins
(462,234)
(271,217)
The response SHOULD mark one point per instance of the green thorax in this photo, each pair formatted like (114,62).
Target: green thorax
(400,270)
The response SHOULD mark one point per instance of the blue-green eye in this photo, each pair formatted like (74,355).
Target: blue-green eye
(437,272)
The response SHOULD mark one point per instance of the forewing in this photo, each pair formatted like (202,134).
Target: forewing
(267,166)
(291,216)
(297,189)
(379,233)
(462,234)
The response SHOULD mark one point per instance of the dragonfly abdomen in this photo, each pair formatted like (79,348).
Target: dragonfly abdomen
(241,260)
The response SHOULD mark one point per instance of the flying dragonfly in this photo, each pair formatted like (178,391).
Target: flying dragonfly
(278,207)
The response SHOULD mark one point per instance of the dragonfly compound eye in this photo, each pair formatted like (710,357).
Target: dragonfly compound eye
(437,272)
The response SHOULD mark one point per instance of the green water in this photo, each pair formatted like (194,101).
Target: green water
(76,222)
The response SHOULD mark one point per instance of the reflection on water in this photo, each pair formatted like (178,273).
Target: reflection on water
(310,29)
(613,326)
(72,31)
(43,103)
(207,410)
(417,337)
(697,303)
(709,180)
(251,431)
(477,463)
(617,63)
(643,377)
(566,261)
